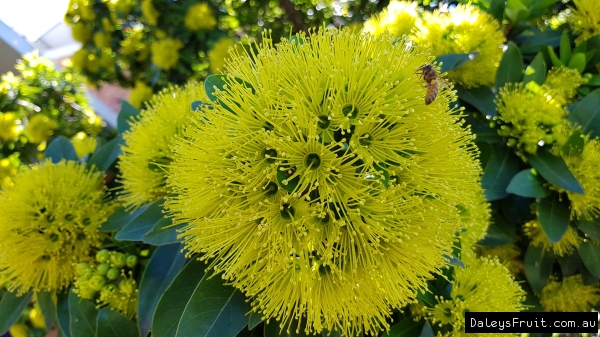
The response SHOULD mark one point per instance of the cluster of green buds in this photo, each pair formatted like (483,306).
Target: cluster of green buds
(110,282)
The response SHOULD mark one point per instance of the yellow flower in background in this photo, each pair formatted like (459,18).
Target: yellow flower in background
(219,54)
(585,19)
(565,246)
(40,128)
(79,59)
(81,32)
(562,83)
(102,40)
(147,150)
(529,117)
(465,29)
(399,18)
(18,330)
(149,12)
(569,295)
(50,219)
(133,41)
(200,16)
(107,61)
(8,170)
(93,63)
(10,126)
(83,144)
(125,6)
(82,9)
(301,183)
(507,254)
(165,53)
(475,214)
(37,318)
(140,93)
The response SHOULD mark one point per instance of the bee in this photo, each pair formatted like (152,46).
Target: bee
(433,82)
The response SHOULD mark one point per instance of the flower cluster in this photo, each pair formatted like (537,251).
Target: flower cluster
(569,294)
(585,19)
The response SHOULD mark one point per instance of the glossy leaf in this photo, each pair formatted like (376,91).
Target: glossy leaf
(60,148)
(196,105)
(587,114)
(555,60)
(527,184)
(554,217)
(274,330)
(107,154)
(455,61)
(554,170)
(62,313)
(291,184)
(590,228)
(569,264)
(577,61)
(214,310)
(575,143)
(516,11)
(565,48)
(11,308)
(590,255)
(120,218)
(533,43)
(538,266)
(163,233)
(407,327)
(143,223)
(481,98)
(511,66)
(125,116)
(165,264)
(48,307)
(82,316)
(536,70)
(497,9)
(254,319)
(498,172)
(500,232)
(113,324)
(427,331)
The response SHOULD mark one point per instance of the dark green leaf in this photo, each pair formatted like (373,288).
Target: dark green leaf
(500,232)
(590,255)
(60,148)
(497,9)
(165,264)
(481,98)
(583,91)
(535,42)
(577,61)
(82,316)
(538,266)
(62,313)
(162,235)
(589,228)
(594,81)
(575,143)
(587,114)
(107,154)
(112,324)
(527,184)
(455,61)
(327,333)
(587,277)
(569,264)
(125,116)
(542,4)
(254,320)
(214,310)
(554,170)
(516,11)
(143,223)
(565,48)
(405,328)
(174,300)
(511,66)
(427,331)
(554,216)
(531,300)
(454,261)
(11,308)
(498,172)
(291,184)
(555,60)
(120,218)
(274,330)
(196,105)
(427,297)
(536,70)
(44,299)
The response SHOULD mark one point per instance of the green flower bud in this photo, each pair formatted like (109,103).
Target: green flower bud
(113,274)
(118,260)
(83,268)
(131,261)
(97,282)
(102,269)
(102,256)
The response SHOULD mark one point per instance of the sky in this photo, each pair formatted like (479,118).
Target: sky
(32,18)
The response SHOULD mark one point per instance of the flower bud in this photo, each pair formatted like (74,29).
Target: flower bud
(102,256)
(102,269)
(112,274)
(131,261)
(118,260)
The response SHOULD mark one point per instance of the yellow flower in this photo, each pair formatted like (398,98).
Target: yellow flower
(107,61)
(219,54)
(83,9)
(140,93)
(562,83)
(149,12)
(200,16)
(474,213)
(529,116)
(50,220)
(147,152)
(125,6)
(165,53)
(83,144)
(81,32)
(39,128)
(123,298)
(8,171)
(37,318)
(18,330)
(585,19)
(453,33)
(328,191)
(399,18)
(10,126)
(569,295)
(133,41)
(565,246)
(507,254)
(80,59)
(102,40)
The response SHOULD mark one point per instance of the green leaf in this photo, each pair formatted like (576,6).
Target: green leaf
(427,297)
(527,184)
(481,98)
(107,154)
(455,61)
(335,333)
(554,170)
(174,300)
(516,11)
(143,223)
(589,228)
(538,266)
(554,217)
(214,310)
(82,316)
(273,330)
(62,313)
(577,61)
(569,264)
(219,82)
(165,264)
(291,184)
(427,331)
(497,9)
(113,324)
(511,66)
(594,81)
(565,48)
(498,172)
(60,148)
(125,116)
(500,232)
(405,328)
(590,255)
(120,218)
(44,299)
(587,114)
(555,60)
(162,235)
(536,70)
(575,143)
(11,308)
(196,105)
(535,42)
(254,320)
